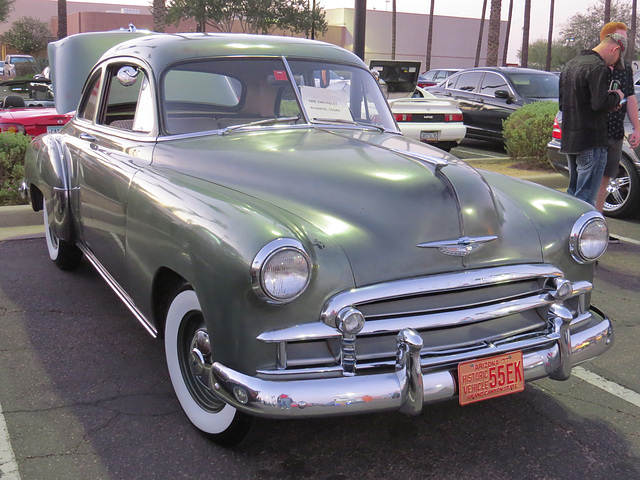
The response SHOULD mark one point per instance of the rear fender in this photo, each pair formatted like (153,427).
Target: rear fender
(47,169)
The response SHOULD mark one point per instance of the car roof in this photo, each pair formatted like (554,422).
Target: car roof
(506,70)
(73,57)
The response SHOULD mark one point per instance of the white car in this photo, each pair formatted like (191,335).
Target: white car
(433,120)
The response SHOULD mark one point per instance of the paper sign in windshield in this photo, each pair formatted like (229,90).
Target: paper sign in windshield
(325,104)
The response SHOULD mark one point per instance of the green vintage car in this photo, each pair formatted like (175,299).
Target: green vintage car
(252,201)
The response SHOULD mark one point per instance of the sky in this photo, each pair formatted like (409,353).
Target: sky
(539,29)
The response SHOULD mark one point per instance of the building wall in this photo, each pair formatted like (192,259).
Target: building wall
(454,38)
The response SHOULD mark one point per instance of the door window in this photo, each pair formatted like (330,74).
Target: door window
(493,82)
(469,81)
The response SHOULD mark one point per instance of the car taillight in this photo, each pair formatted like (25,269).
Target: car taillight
(12,127)
(557,131)
(453,117)
(403,117)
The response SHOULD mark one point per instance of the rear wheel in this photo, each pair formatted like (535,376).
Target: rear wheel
(189,360)
(623,192)
(64,254)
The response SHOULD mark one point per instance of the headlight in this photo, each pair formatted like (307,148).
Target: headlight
(280,271)
(589,238)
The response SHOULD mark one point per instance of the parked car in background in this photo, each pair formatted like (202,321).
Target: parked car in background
(488,95)
(296,253)
(27,106)
(435,76)
(429,119)
(623,191)
(18,66)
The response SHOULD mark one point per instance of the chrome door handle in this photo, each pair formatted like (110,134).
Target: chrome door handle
(87,137)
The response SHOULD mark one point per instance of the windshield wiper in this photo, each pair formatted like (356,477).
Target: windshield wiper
(349,122)
(266,121)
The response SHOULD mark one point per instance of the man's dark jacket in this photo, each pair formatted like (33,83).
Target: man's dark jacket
(585,101)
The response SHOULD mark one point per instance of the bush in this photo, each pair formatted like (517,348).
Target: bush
(13,147)
(527,132)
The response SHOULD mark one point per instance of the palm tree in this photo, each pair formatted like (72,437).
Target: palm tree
(550,37)
(159,12)
(427,64)
(62,19)
(484,12)
(394,13)
(631,53)
(524,61)
(506,38)
(493,43)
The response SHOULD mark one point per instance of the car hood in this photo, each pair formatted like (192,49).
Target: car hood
(378,195)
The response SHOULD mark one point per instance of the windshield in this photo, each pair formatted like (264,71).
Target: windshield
(536,85)
(227,93)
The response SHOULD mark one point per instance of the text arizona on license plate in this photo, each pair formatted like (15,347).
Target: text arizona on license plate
(490,377)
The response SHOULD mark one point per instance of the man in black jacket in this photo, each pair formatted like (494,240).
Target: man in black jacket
(585,99)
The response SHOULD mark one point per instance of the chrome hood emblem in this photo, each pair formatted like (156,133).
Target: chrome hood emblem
(460,247)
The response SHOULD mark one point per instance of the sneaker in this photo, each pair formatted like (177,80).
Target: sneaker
(613,239)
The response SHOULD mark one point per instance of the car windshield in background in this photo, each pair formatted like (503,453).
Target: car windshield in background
(226,93)
(536,85)
(34,93)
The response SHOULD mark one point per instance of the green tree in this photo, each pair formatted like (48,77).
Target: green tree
(582,30)
(251,16)
(28,35)
(6,6)
(561,53)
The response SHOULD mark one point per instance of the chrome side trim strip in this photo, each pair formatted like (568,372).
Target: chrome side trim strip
(119,291)
(435,283)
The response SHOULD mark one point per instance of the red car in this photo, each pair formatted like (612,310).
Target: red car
(26,106)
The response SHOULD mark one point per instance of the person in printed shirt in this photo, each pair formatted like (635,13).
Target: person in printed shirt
(621,76)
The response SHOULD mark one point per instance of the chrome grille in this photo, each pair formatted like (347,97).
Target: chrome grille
(453,313)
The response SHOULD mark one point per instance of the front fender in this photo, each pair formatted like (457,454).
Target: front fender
(47,171)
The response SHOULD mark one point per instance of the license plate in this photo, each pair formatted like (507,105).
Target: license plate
(428,136)
(490,377)
(54,129)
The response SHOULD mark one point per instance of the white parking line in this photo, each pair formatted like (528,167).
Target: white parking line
(8,464)
(626,239)
(607,385)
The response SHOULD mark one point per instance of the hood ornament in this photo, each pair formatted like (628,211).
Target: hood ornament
(460,247)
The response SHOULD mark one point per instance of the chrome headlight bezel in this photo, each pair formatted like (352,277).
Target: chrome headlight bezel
(594,226)
(261,262)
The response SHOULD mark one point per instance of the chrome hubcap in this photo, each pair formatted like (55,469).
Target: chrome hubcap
(200,359)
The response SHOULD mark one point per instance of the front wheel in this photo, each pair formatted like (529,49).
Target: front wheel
(64,254)
(189,360)
(623,192)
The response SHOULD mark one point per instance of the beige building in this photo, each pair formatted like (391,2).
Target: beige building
(454,38)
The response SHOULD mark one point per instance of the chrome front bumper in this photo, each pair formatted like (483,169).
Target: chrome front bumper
(415,381)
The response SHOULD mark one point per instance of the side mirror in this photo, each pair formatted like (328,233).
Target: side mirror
(503,94)
(127,76)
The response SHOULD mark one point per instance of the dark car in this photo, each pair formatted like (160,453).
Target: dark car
(623,191)
(488,95)
(435,76)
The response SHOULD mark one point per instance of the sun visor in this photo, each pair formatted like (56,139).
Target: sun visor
(72,58)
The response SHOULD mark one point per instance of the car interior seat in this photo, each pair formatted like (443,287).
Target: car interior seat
(13,101)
